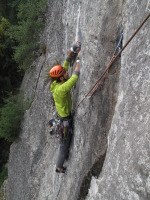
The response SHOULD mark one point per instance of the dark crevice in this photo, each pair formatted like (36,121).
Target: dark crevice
(94,171)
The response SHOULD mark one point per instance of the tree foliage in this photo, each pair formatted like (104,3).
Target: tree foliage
(11,117)
(8,9)
(9,76)
(21,23)
(27,32)
(3,174)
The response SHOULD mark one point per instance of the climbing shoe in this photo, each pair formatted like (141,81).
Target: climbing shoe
(61,170)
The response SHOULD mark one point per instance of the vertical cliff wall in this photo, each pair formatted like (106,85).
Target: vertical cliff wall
(97,24)
(126,170)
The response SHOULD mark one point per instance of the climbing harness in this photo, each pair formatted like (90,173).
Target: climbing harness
(100,80)
(56,128)
(60,127)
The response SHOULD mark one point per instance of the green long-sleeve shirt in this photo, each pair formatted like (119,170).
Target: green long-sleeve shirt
(62,95)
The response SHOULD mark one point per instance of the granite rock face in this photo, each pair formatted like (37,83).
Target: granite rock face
(112,123)
(126,170)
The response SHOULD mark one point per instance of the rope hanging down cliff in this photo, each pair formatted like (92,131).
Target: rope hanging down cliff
(99,81)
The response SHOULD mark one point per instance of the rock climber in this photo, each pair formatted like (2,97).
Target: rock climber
(60,89)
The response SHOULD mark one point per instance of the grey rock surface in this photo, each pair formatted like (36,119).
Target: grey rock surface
(99,122)
(126,170)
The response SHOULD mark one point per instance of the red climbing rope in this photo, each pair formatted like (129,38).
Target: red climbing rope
(100,80)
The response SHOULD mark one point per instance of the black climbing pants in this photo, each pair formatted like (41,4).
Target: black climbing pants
(65,144)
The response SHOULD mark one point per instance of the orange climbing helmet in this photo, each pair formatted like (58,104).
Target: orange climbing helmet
(57,71)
